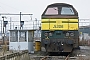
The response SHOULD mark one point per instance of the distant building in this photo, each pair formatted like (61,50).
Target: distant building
(85,32)
(84,29)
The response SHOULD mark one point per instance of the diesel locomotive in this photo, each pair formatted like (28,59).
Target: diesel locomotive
(59,28)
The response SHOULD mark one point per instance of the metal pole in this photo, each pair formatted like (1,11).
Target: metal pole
(13,25)
(33,24)
(36,22)
(10,23)
(20,23)
(20,20)
(31,17)
(3,29)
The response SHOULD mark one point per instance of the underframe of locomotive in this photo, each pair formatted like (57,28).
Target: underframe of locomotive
(59,44)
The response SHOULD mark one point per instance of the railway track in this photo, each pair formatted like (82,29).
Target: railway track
(67,57)
(47,57)
(55,57)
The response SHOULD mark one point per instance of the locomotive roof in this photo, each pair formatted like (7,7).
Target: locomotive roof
(59,4)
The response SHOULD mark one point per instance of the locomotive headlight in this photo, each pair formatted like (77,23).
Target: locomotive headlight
(61,44)
(46,34)
(50,34)
(67,34)
(71,34)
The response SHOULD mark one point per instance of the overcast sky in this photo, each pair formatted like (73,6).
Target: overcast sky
(36,7)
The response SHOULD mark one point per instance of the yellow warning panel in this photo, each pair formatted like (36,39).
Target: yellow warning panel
(59,24)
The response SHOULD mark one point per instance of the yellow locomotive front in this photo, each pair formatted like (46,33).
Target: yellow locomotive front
(59,28)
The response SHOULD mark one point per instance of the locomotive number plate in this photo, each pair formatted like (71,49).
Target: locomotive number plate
(58,26)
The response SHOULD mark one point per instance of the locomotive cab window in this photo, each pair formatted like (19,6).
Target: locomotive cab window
(67,11)
(52,11)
